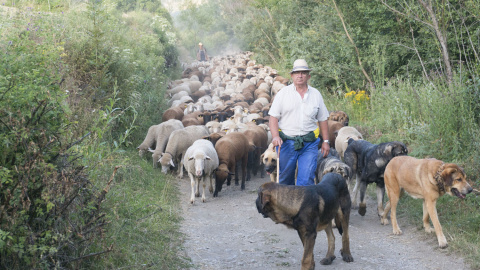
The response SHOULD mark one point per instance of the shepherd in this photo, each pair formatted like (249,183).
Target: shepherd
(202,53)
(296,114)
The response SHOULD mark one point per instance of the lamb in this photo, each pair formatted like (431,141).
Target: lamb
(231,148)
(200,162)
(344,134)
(178,143)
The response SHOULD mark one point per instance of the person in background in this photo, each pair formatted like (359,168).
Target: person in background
(296,114)
(202,53)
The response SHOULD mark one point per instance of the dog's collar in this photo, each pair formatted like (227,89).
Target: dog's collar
(438,178)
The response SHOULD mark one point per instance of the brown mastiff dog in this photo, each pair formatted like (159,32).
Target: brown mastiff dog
(308,210)
(425,179)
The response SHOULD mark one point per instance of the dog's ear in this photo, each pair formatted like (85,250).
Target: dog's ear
(261,159)
(266,197)
(388,150)
(447,174)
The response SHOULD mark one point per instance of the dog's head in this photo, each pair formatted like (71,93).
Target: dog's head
(269,158)
(341,168)
(339,116)
(455,181)
(387,151)
(264,199)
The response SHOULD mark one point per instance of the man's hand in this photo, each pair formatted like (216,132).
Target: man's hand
(325,149)
(277,141)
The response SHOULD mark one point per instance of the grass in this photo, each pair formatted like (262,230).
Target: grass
(143,207)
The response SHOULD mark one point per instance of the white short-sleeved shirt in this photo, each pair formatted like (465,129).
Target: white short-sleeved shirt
(297,116)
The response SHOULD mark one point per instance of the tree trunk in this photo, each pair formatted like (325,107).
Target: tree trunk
(441,38)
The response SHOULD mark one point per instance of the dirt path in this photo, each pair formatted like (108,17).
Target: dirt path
(227,232)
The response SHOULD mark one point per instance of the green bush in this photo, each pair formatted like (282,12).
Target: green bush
(76,87)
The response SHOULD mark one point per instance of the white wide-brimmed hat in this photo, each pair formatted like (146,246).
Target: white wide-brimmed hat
(300,65)
(200,44)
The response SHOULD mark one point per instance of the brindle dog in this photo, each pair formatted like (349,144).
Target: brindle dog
(310,209)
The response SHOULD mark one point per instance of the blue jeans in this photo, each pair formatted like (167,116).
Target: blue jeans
(307,163)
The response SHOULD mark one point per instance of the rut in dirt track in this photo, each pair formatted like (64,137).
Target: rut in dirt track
(227,232)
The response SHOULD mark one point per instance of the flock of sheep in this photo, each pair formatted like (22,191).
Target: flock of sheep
(217,124)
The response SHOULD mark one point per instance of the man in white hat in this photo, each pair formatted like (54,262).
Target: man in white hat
(202,53)
(296,111)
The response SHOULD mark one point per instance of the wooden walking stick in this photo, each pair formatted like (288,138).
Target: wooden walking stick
(278,164)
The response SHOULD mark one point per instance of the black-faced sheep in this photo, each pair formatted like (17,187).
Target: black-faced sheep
(177,145)
(200,162)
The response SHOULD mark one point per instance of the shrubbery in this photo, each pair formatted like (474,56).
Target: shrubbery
(73,87)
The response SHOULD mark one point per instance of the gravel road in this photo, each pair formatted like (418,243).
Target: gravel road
(227,232)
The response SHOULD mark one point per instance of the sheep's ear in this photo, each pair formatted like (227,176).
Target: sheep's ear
(171,163)
(150,150)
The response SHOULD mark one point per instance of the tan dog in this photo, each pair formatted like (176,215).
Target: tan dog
(425,179)
(269,159)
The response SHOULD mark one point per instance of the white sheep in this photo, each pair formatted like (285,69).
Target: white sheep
(162,134)
(200,162)
(178,143)
(214,126)
(149,141)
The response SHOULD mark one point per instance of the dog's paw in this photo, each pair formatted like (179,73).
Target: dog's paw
(429,229)
(397,231)
(362,209)
(442,244)
(346,257)
(384,221)
(327,260)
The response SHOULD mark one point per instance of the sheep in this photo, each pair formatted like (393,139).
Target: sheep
(213,126)
(200,162)
(179,88)
(344,134)
(257,138)
(177,96)
(155,136)
(163,134)
(178,143)
(193,119)
(149,140)
(173,113)
(231,148)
